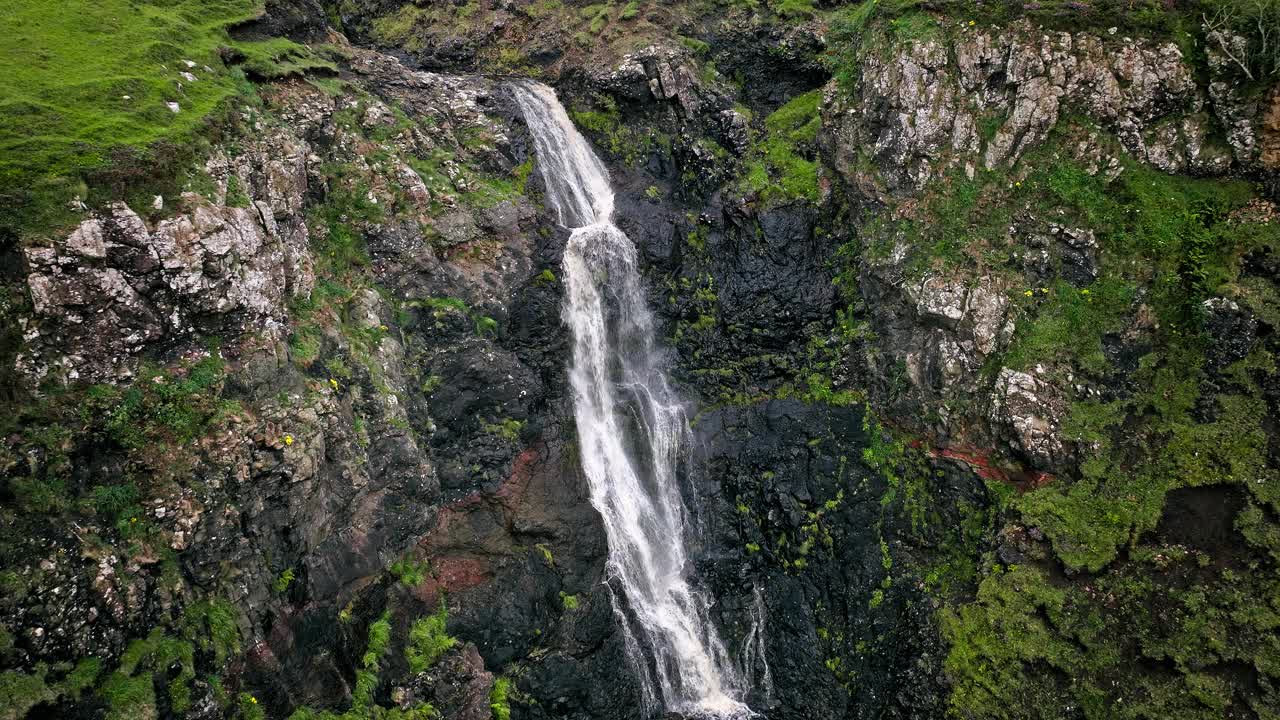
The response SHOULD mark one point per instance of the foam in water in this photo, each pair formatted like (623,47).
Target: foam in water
(631,431)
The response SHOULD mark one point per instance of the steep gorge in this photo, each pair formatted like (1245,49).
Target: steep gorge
(955,324)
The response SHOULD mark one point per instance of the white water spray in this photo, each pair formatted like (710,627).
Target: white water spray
(631,428)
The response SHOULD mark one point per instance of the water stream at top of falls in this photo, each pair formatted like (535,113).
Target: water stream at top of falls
(631,431)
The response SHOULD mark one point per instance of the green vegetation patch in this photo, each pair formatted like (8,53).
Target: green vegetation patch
(1031,647)
(429,640)
(87,84)
(602,122)
(500,698)
(783,166)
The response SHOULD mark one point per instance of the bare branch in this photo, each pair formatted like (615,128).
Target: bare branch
(1219,28)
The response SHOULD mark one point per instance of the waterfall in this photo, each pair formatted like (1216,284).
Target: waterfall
(631,430)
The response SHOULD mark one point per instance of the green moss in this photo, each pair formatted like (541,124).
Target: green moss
(409,572)
(546,554)
(19,692)
(507,429)
(81,678)
(782,167)
(793,8)
(429,640)
(282,583)
(603,123)
(499,698)
(398,27)
(570,602)
(1101,635)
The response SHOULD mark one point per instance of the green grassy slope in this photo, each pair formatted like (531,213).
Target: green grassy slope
(86,82)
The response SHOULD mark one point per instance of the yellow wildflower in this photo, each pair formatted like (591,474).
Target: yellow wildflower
(1028,293)
(1084,291)
(288,439)
(1044,290)
(334,383)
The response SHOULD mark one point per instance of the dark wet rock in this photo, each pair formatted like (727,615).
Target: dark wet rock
(300,20)
(457,687)
(1233,329)
(774,467)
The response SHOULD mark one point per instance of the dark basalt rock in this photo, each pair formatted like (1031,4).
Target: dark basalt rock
(769,469)
(299,20)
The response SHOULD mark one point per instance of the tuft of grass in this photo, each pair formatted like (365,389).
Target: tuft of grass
(429,640)
(409,572)
(499,698)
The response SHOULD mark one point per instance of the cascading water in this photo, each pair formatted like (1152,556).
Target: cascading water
(631,428)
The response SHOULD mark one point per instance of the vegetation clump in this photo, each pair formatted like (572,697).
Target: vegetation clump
(783,166)
(429,640)
(105,97)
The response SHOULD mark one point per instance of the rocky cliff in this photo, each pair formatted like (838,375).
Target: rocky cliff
(974,308)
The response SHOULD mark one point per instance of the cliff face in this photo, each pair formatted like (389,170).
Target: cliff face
(977,323)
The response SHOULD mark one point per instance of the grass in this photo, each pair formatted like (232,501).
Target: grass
(499,698)
(130,690)
(782,168)
(213,625)
(86,86)
(409,572)
(429,640)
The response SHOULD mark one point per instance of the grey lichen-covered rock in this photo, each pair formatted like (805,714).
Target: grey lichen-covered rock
(117,284)
(995,94)
(938,330)
(1066,252)
(1030,411)
(655,72)
(1234,331)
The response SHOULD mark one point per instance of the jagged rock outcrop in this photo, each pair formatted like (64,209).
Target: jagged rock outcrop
(116,286)
(988,97)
